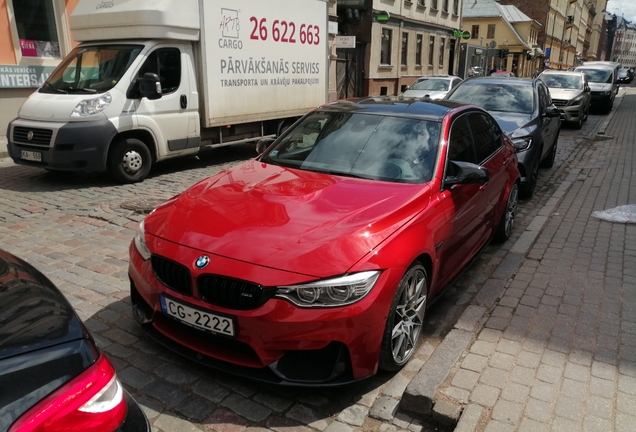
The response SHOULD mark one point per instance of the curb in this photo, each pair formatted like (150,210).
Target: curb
(420,396)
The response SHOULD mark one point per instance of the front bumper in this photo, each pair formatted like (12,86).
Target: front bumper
(76,146)
(276,342)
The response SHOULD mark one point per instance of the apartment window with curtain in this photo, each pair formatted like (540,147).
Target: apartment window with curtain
(431,50)
(491,31)
(36,28)
(385,46)
(421,3)
(441,51)
(418,49)
(456,7)
(445,6)
(405,49)
(434,4)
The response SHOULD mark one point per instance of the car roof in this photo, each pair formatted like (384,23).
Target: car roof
(561,72)
(436,76)
(433,110)
(499,80)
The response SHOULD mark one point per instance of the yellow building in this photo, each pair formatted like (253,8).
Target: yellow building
(497,27)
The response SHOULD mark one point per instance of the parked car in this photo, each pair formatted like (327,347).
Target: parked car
(314,263)
(624,76)
(524,110)
(432,87)
(52,375)
(603,80)
(570,93)
(475,71)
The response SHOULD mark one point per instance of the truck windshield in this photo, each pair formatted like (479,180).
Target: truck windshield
(91,69)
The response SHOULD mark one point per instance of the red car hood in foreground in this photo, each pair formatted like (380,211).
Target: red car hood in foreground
(299,221)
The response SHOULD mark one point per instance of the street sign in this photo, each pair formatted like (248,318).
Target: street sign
(464,34)
(382,16)
(492,44)
(345,41)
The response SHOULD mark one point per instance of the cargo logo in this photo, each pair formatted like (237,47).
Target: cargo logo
(105,4)
(230,27)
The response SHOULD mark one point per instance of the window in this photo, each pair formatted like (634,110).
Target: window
(405,49)
(36,28)
(474,34)
(385,47)
(455,7)
(487,135)
(431,49)
(421,3)
(491,31)
(166,63)
(460,145)
(445,6)
(441,52)
(418,50)
(434,4)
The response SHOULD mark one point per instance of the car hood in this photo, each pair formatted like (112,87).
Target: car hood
(421,93)
(600,87)
(33,312)
(299,221)
(565,94)
(514,124)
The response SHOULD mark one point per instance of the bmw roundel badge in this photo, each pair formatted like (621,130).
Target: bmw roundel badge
(201,262)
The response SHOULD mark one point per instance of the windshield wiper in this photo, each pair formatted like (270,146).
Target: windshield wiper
(82,90)
(48,86)
(340,173)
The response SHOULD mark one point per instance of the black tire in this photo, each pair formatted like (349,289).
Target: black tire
(527,189)
(507,222)
(587,113)
(129,161)
(406,316)
(548,162)
(579,122)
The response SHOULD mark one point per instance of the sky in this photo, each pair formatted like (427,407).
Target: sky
(627,8)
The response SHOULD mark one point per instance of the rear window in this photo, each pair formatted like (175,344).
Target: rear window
(496,97)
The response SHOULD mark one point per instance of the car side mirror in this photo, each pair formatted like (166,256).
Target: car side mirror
(465,173)
(150,86)
(262,144)
(552,111)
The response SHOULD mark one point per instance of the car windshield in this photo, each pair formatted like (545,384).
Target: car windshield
(623,72)
(91,69)
(562,81)
(496,97)
(431,84)
(602,76)
(368,146)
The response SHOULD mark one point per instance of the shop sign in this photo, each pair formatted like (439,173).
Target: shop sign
(15,76)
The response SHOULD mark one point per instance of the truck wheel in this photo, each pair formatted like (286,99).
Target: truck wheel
(406,316)
(129,161)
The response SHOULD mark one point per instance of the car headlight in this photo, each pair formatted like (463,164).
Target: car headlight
(92,106)
(522,143)
(605,93)
(339,291)
(140,242)
(576,101)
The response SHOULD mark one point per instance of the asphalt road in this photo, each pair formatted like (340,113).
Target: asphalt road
(76,228)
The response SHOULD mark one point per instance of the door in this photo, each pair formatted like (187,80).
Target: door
(168,116)
(349,73)
(463,205)
(549,125)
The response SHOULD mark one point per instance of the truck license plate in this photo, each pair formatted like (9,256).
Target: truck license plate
(197,318)
(31,155)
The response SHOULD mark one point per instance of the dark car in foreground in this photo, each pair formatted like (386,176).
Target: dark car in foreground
(314,263)
(524,110)
(52,375)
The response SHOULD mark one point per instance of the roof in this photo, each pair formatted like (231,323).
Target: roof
(499,80)
(491,9)
(395,105)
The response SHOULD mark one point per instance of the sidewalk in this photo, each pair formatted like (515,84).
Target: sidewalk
(558,349)
(3,147)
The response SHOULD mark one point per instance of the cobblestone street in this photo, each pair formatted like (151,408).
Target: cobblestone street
(76,229)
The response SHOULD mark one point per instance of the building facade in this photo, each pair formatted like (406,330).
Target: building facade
(624,49)
(571,29)
(507,38)
(401,40)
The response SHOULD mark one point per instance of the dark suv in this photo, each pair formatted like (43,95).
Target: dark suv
(524,110)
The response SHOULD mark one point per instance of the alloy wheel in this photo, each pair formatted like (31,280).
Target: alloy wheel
(409,316)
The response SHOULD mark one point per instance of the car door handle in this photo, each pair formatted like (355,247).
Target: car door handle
(184,101)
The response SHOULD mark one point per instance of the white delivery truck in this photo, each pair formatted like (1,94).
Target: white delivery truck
(153,80)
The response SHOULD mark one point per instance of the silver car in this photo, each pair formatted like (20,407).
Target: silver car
(570,93)
(432,87)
